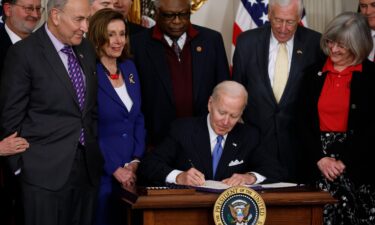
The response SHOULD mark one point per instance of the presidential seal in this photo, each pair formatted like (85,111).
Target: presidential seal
(239,206)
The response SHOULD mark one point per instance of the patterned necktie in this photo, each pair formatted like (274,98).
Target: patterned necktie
(281,71)
(76,77)
(216,154)
(176,49)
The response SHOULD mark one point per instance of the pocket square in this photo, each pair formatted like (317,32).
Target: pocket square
(235,162)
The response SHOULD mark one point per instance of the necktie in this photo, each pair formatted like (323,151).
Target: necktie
(176,49)
(76,77)
(216,154)
(281,71)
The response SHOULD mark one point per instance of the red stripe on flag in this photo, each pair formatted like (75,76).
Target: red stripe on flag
(236,31)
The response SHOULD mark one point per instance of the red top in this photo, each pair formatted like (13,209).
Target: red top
(334,100)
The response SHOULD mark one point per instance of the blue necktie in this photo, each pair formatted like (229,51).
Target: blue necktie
(216,154)
(76,76)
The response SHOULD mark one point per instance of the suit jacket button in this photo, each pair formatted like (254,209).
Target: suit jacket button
(124,135)
(353,106)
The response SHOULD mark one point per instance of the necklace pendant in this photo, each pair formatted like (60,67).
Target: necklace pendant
(114,76)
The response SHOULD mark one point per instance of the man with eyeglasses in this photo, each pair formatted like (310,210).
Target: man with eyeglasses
(48,95)
(21,18)
(179,64)
(269,62)
(367,8)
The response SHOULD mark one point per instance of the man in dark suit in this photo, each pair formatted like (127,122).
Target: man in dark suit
(272,81)
(48,94)
(21,17)
(178,65)
(367,8)
(185,156)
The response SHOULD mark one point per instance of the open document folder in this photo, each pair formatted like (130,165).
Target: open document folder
(218,186)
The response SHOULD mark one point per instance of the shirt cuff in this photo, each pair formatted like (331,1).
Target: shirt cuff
(171,177)
(259,177)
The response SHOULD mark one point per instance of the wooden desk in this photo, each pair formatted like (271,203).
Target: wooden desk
(291,207)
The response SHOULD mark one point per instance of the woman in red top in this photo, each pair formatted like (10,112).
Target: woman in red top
(337,120)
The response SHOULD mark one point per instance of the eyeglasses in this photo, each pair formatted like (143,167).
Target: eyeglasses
(280,22)
(30,9)
(173,16)
(331,44)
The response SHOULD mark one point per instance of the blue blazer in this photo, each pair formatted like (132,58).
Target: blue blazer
(121,133)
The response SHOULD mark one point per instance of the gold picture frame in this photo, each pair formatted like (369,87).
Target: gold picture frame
(197,4)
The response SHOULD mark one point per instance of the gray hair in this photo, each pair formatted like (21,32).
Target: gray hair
(157,3)
(229,88)
(284,3)
(59,4)
(352,30)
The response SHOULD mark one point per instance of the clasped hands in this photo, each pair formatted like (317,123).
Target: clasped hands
(127,175)
(331,168)
(194,177)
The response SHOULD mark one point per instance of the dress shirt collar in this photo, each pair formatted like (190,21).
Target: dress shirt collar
(13,36)
(180,41)
(56,43)
(274,44)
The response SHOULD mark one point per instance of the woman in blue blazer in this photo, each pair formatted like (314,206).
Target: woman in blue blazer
(121,124)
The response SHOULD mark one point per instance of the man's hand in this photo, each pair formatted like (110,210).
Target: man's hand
(330,167)
(125,176)
(240,179)
(12,145)
(192,177)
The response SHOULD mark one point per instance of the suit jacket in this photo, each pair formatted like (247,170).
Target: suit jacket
(5,43)
(277,122)
(121,132)
(358,151)
(39,101)
(188,143)
(209,67)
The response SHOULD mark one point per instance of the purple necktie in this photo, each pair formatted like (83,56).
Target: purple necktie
(176,49)
(76,76)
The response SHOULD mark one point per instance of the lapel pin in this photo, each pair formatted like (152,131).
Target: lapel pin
(131,79)
(199,49)
(320,73)
(81,56)
(234,144)
(299,52)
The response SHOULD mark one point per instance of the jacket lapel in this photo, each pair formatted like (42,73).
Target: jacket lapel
(53,59)
(156,51)
(106,86)
(198,63)
(202,146)
(296,63)
(230,152)
(262,52)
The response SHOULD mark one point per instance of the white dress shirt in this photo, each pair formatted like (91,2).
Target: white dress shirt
(274,47)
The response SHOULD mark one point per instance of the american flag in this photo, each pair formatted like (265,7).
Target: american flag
(252,14)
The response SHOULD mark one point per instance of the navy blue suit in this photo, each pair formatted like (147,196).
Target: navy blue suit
(121,133)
